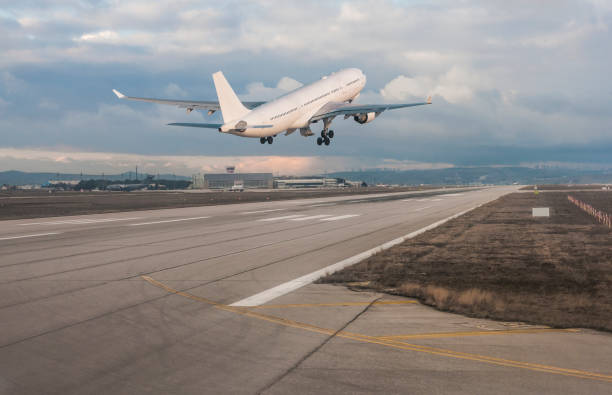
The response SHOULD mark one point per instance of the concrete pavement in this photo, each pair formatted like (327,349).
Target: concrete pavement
(139,302)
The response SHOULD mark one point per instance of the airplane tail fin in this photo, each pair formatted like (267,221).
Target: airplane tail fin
(231,107)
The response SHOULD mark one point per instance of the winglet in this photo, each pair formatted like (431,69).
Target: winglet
(119,94)
(428,99)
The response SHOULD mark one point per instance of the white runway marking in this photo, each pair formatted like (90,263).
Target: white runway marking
(290,286)
(436,200)
(323,204)
(279,218)
(311,217)
(422,200)
(453,194)
(339,217)
(263,211)
(357,201)
(168,220)
(36,235)
(422,208)
(79,221)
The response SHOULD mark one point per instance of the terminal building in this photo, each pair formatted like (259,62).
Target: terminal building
(228,180)
(319,182)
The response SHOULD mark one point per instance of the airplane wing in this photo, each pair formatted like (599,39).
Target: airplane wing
(218,125)
(197,125)
(335,109)
(188,104)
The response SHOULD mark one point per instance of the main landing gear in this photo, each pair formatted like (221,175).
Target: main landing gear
(326,134)
(325,137)
(268,139)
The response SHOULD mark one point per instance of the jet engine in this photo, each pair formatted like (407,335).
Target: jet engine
(365,117)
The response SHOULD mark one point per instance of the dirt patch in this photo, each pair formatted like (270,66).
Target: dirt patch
(499,262)
(563,187)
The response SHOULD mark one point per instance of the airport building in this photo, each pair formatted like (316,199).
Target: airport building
(320,182)
(266,181)
(247,180)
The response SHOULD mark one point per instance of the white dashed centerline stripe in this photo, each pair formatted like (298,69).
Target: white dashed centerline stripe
(36,235)
(323,205)
(263,211)
(290,286)
(279,218)
(79,221)
(166,221)
(339,217)
(311,217)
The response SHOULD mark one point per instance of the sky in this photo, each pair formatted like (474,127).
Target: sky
(513,83)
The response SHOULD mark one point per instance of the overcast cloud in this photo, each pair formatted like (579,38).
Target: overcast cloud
(512,82)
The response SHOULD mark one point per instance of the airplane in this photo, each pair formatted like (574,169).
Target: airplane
(323,100)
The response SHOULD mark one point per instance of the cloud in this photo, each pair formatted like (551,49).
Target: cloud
(507,75)
(258,91)
(351,13)
(173,90)
(570,34)
(455,86)
(105,162)
(11,84)
(105,36)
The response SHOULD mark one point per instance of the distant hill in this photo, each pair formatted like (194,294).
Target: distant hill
(14,177)
(478,175)
(449,176)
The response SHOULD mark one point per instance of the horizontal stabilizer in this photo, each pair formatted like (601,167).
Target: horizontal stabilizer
(119,94)
(198,125)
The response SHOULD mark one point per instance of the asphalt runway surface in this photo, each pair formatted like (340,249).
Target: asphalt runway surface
(180,301)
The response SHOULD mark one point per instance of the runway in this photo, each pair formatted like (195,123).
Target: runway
(155,301)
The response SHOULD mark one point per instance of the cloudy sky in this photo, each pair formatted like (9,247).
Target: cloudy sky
(512,82)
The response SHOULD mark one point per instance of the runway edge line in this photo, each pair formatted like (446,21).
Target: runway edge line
(290,286)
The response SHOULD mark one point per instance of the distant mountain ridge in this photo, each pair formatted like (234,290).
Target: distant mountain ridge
(447,176)
(479,175)
(15,177)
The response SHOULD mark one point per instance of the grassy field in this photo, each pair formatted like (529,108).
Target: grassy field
(499,262)
(562,187)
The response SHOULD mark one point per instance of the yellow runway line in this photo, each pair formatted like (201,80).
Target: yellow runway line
(476,333)
(396,344)
(501,361)
(283,306)
(166,288)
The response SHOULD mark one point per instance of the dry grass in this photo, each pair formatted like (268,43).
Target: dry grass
(499,262)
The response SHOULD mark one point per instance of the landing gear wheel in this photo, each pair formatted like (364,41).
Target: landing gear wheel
(323,133)
(319,140)
(327,141)
(270,139)
(330,134)
(262,140)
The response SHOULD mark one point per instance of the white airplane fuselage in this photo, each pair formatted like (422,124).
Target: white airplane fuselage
(294,109)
